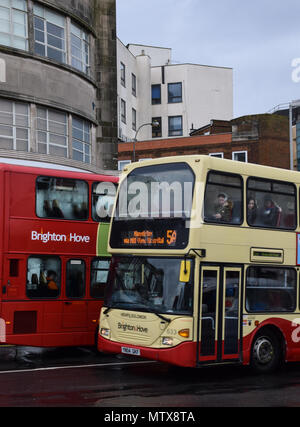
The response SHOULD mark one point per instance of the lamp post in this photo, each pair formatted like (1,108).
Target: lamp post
(153,124)
(291,106)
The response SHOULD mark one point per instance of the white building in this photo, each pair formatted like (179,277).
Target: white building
(176,97)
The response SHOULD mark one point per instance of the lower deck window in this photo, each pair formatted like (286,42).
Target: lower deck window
(43,277)
(75,278)
(270,289)
(99,275)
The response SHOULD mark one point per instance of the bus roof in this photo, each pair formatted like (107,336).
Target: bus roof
(215,163)
(45,169)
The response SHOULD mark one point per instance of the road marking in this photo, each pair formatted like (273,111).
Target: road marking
(96,365)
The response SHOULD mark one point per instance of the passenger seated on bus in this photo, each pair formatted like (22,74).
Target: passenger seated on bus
(80,213)
(51,281)
(56,211)
(289,217)
(34,279)
(271,213)
(47,208)
(223,208)
(251,211)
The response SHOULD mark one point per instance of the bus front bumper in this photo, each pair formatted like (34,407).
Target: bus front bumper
(183,354)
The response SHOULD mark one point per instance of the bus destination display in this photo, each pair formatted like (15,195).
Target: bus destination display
(146,237)
(148,234)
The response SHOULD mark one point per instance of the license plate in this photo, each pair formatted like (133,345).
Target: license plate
(129,350)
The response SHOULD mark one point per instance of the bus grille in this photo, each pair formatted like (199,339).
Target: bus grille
(133,338)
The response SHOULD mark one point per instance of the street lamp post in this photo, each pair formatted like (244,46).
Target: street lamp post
(293,104)
(153,124)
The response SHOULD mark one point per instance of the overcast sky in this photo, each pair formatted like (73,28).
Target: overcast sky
(259,39)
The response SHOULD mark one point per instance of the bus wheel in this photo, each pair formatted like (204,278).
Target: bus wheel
(266,353)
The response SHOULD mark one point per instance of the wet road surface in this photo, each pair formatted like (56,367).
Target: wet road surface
(80,377)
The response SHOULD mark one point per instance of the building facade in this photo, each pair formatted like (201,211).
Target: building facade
(175,98)
(261,139)
(58,82)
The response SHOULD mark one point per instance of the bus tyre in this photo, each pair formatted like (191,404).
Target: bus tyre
(266,352)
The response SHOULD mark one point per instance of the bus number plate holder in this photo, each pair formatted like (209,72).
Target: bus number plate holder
(132,351)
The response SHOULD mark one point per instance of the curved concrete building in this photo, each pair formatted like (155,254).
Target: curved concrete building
(58,82)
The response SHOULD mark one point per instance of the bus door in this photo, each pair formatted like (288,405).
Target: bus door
(220,314)
(75,304)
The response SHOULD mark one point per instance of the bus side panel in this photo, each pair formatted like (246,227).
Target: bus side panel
(287,328)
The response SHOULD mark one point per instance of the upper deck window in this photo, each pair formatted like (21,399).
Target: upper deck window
(223,198)
(103,198)
(160,191)
(271,204)
(61,198)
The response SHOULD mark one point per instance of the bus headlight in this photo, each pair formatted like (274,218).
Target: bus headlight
(167,341)
(105,332)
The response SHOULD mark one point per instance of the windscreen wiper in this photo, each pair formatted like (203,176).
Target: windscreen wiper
(165,319)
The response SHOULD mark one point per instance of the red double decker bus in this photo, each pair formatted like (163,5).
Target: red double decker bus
(53,258)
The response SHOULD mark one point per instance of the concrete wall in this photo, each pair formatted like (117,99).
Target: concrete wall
(39,80)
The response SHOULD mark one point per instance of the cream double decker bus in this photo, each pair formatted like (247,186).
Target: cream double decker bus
(205,256)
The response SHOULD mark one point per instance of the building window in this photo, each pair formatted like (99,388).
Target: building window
(122,164)
(13,23)
(156,130)
(133,119)
(220,155)
(81,140)
(133,80)
(123,111)
(175,126)
(123,74)
(174,92)
(49,34)
(80,49)
(52,132)
(156,94)
(14,125)
(240,156)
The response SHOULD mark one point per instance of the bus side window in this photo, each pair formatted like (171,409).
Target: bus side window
(61,198)
(99,276)
(75,278)
(223,198)
(43,277)
(271,204)
(14,268)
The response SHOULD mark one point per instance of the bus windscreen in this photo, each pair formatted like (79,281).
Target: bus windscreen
(154,207)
